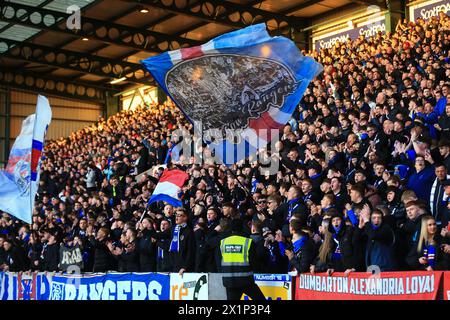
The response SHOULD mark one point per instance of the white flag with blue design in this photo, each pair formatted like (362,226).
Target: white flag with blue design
(19,181)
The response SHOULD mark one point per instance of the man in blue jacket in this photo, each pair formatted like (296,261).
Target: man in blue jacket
(422,180)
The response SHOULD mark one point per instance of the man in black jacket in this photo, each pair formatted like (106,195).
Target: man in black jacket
(345,246)
(258,241)
(14,257)
(302,254)
(50,251)
(163,261)
(146,247)
(182,246)
(103,260)
(295,204)
(180,243)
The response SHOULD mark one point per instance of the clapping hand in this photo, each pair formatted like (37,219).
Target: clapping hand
(289,254)
(365,213)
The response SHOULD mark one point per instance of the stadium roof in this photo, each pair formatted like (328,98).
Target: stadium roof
(39,52)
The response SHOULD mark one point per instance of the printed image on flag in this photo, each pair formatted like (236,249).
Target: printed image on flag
(19,180)
(236,87)
(169,186)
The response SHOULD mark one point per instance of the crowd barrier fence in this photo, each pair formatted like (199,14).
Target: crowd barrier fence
(413,285)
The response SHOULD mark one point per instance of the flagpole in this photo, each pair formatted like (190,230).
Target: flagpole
(143,214)
(248,193)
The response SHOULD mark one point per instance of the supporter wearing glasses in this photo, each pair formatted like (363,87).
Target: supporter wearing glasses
(422,180)
(182,246)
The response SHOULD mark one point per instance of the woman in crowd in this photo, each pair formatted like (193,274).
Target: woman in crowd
(428,252)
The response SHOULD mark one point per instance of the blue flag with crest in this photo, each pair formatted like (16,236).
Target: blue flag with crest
(237,89)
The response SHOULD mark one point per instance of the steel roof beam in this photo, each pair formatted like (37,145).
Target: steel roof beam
(222,12)
(66,59)
(104,31)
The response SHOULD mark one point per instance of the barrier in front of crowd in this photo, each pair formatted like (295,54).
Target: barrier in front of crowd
(446,286)
(413,285)
(131,286)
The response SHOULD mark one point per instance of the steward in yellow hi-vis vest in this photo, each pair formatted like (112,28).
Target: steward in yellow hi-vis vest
(237,254)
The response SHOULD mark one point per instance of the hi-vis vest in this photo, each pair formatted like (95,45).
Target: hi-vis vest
(235,256)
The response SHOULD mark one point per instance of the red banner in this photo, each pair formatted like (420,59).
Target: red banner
(413,285)
(446,291)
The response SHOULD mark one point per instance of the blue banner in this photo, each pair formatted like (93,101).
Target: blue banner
(369,30)
(429,10)
(113,286)
(21,286)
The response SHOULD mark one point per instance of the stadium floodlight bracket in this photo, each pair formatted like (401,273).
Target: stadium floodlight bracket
(76,61)
(104,31)
(227,13)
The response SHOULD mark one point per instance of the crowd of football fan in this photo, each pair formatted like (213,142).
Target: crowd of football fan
(363,178)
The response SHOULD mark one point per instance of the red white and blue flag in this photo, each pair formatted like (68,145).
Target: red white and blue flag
(169,187)
(236,88)
(19,181)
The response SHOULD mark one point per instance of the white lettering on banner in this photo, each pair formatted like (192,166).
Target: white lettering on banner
(83,293)
(73,257)
(367,31)
(122,287)
(70,292)
(109,286)
(330,43)
(139,291)
(372,30)
(95,290)
(154,290)
(368,286)
(433,12)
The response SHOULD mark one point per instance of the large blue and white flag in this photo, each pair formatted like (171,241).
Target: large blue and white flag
(236,87)
(19,181)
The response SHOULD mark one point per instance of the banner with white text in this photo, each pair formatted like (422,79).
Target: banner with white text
(414,285)
(429,9)
(111,286)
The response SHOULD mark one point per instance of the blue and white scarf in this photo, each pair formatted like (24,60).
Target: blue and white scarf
(429,252)
(291,208)
(175,244)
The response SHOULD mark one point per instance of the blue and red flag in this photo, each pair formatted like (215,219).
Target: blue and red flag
(236,87)
(19,180)
(169,186)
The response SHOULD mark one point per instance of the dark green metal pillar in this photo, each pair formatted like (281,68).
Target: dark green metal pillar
(111,104)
